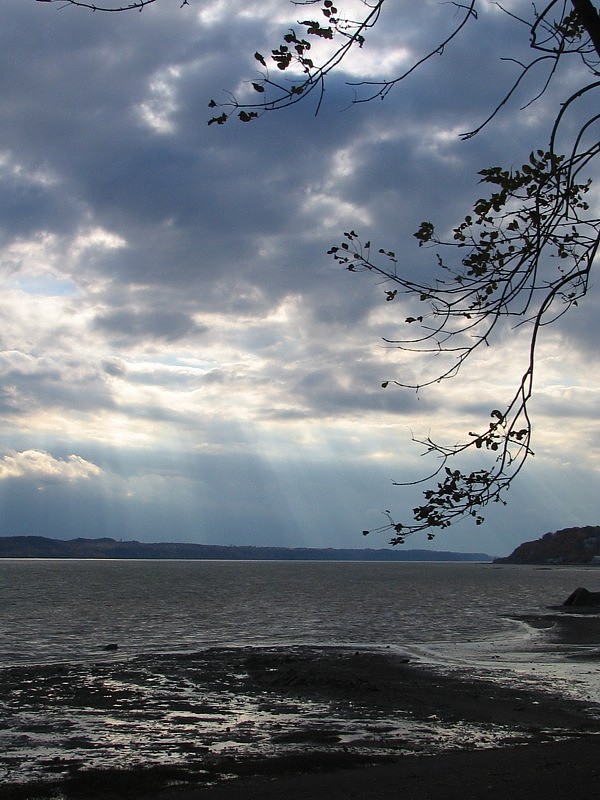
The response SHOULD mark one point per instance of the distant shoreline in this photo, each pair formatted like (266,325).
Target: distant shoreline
(107,549)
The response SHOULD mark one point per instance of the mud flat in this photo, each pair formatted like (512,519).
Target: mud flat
(287,723)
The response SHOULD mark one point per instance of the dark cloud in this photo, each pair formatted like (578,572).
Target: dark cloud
(134,326)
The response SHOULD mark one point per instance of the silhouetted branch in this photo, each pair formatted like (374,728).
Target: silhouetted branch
(526,254)
(134,5)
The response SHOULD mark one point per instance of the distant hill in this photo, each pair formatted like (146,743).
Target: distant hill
(567,546)
(41,547)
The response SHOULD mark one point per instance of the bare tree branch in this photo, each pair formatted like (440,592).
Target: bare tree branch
(134,5)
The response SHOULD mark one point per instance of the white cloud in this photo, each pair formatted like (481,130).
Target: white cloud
(42,466)
(158,109)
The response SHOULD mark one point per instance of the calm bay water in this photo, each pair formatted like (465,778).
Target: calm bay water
(57,611)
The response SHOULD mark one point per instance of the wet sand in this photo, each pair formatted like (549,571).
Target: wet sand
(561,771)
(357,724)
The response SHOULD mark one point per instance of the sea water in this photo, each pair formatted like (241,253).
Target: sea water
(71,610)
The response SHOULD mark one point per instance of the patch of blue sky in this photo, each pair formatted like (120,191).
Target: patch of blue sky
(47,285)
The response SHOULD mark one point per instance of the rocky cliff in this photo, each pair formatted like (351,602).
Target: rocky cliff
(567,546)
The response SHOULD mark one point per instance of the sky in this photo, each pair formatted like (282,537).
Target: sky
(180,359)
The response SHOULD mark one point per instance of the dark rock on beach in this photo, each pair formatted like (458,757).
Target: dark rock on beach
(583,597)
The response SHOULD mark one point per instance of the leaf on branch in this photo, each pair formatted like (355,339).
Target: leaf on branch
(258,87)
(425,233)
(220,120)
(260,58)
(314,29)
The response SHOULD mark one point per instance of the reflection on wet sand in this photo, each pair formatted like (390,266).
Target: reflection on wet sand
(204,712)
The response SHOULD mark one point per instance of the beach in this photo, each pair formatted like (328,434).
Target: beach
(296,680)
(559,771)
(465,737)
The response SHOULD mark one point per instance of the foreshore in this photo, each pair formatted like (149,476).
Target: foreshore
(559,770)
(326,723)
